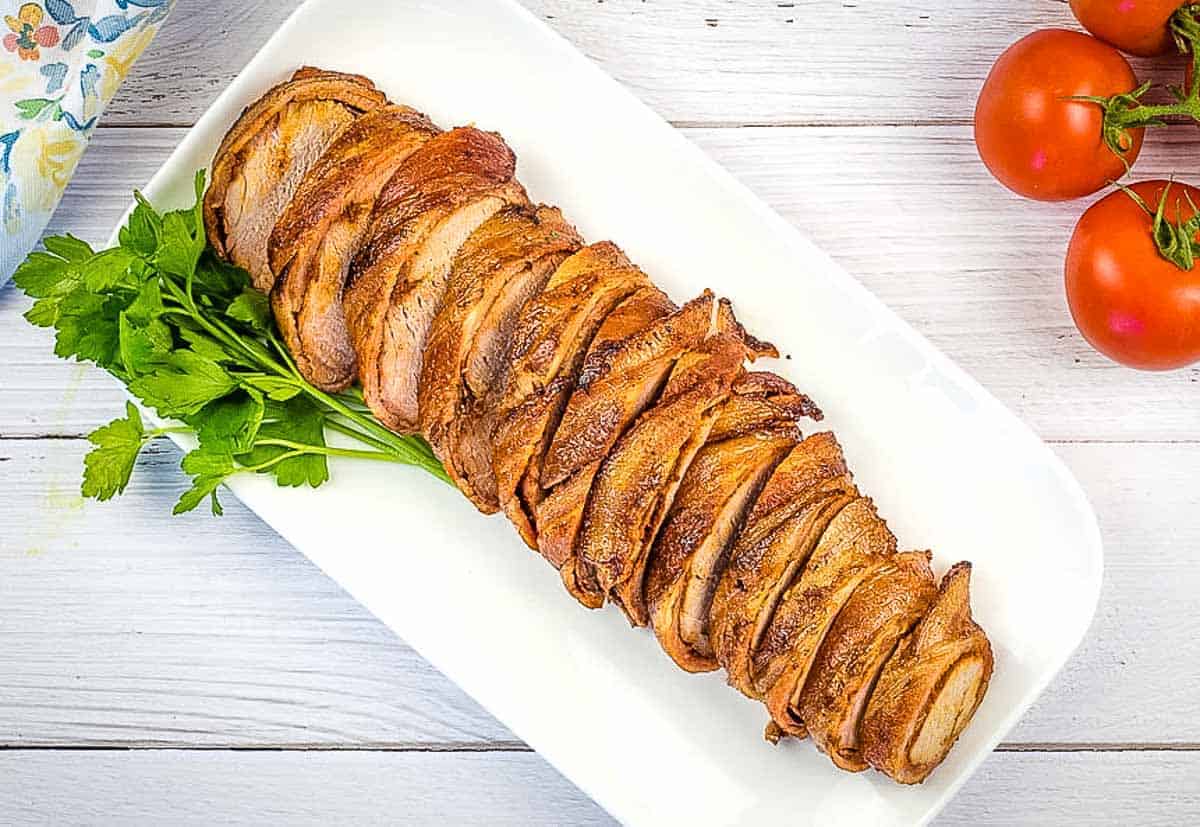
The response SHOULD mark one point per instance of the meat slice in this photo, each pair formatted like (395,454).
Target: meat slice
(807,490)
(621,376)
(755,430)
(930,688)
(560,512)
(854,548)
(266,154)
(762,401)
(549,344)
(637,482)
(320,231)
(880,612)
(503,264)
(691,549)
(438,197)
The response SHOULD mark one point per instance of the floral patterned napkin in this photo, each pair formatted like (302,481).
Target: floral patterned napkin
(61,62)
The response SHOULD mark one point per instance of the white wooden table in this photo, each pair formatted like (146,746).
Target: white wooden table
(191,669)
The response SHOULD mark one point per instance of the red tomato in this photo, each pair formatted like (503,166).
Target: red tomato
(1129,301)
(1031,137)
(1138,27)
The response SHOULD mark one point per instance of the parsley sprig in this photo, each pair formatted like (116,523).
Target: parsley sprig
(192,339)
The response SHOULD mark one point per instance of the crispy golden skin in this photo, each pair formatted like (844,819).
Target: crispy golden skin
(878,614)
(855,547)
(930,688)
(549,344)
(804,494)
(319,233)
(505,262)
(267,152)
(437,198)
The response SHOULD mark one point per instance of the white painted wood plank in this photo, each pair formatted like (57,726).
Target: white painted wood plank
(319,788)
(909,211)
(726,61)
(295,788)
(123,625)
(1080,788)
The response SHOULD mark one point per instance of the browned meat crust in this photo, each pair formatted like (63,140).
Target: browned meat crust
(437,198)
(638,480)
(264,156)
(319,233)
(878,614)
(930,688)
(807,490)
(854,548)
(690,551)
(762,401)
(624,372)
(560,512)
(506,261)
(549,344)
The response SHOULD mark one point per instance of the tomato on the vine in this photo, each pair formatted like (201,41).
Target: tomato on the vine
(1033,137)
(1137,27)
(1132,275)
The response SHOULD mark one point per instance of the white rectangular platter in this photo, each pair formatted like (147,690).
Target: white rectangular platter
(949,467)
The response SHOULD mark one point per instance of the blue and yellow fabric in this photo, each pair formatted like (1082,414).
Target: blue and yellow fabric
(61,62)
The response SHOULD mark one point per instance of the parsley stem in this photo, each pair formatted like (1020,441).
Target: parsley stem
(231,342)
(355,433)
(327,451)
(172,429)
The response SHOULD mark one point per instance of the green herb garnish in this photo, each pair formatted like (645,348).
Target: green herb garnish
(192,339)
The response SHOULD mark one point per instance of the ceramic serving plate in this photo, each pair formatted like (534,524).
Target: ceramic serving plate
(950,468)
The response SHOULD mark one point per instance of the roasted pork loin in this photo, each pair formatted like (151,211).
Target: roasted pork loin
(855,546)
(503,264)
(804,494)
(550,341)
(319,233)
(266,154)
(438,197)
(622,435)
(929,688)
(864,636)
(638,480)
(755,430)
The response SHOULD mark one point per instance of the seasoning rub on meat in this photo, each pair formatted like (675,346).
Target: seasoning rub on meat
(623,435)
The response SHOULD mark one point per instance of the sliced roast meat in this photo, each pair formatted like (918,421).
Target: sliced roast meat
(502,265)
(438,197)
(549,344)
(879,613)
(637,482)
(761,401)
(806,491)
(930,687)
(320,231)
(855,547)
(621,376)
(560,512)
(690,552)
(756,428)
(266,154)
